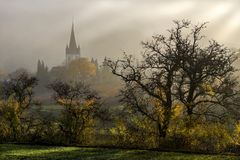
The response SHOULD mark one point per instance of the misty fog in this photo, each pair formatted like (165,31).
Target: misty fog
(32,30)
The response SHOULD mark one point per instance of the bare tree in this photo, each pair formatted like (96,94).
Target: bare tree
(174,69)
(150,80)
(205,75)
(20,88)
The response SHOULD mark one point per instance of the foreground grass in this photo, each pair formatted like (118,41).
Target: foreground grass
(27,152)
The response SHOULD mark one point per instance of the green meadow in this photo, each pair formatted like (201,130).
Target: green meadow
(28,152)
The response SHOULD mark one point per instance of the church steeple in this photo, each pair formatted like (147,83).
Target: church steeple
(72,43)
(72,50)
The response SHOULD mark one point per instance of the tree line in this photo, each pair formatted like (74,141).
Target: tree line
(182,93)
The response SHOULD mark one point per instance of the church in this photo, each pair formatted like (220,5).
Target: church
(74,64)
(77,68)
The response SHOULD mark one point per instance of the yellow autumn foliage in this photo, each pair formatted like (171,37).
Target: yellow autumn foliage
(80,68)
(142,135)
(236,133)
(204,136)
(208,89)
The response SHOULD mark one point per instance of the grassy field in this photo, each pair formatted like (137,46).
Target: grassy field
(27,152)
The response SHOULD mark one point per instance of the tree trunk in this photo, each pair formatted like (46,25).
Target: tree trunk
(189,122)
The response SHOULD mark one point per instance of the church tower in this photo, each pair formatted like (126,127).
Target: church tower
(72,50)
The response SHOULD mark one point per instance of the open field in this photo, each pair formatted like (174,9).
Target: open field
(28,152)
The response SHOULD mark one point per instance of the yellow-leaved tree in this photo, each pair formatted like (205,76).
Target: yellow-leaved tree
(80,104)
(80,69)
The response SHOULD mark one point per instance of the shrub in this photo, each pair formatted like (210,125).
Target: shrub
(204,136)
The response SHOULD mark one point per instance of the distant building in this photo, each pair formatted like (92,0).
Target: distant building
(72,50)
(75,68)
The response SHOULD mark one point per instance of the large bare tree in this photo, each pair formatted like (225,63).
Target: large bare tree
(205,76)
(149,83)
(175,69)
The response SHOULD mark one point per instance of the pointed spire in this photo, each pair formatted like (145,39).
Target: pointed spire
(72,43)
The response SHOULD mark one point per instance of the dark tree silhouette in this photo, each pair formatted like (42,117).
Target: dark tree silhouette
(20,89)
(205,74)
(175,69)
(149,83)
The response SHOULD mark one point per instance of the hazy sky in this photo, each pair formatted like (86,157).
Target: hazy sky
(40,29)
